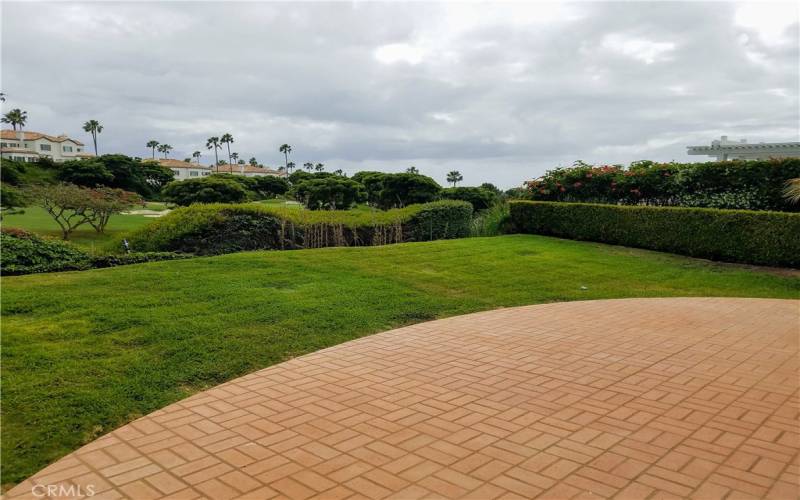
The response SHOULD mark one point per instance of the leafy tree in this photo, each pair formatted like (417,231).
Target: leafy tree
(94,128)
(165,148)
(289,167)
(286,149)
(455,177)
(213,143)
(154,177)
(12,200)
(105,202)
(373,184)
(227,139)
(153,145)
(196,155)
(210,189)
(71,206)
(330,193)
(299,176)
(412,170)
(319,167)
(399,190)
(268,186)
(252,161)
(339,172)
(478,197)
(16,117)
(88,173)
(308,166)
(491,187)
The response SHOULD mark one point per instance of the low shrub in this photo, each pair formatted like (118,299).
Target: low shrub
(101,261)
(24,253)
(221,228)
(211,189)
(480,198)
(750,237)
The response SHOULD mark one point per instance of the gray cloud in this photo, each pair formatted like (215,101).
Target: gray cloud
(500,92)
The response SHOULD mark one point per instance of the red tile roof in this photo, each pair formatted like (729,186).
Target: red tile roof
(9,134)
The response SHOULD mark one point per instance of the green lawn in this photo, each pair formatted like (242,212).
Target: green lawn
(85,352)
(35,219)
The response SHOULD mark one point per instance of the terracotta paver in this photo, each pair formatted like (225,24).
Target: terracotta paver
(645,398)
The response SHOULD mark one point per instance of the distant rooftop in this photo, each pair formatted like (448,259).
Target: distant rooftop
(725,149)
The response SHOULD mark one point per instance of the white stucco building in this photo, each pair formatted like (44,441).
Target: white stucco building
(31,146)
(724,149)
(185,170)
(248,170)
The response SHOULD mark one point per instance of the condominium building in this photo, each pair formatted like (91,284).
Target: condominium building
(184,170)
(248,170)
(31,146)
(724,149)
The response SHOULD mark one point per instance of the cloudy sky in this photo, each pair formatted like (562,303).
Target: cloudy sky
(500,92)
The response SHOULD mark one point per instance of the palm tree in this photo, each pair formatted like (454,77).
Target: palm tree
(252,161)
(213,142)
(234,157)
(455,177)
(308,166)
(196,155)
(2,97)
(227,139)
(165,148)
(412,170)
(792,190)
(338,172)
(319,167)
(94,128)
(289,167)
(16,117)
(285,149)
(153,145)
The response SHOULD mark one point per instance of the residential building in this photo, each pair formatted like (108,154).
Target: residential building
(724,150)
(185,170)
(31,146)
(248,170)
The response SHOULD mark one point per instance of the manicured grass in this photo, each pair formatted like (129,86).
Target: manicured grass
(35,219)
(85,352)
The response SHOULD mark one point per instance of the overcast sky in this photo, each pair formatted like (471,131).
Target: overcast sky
(500,92)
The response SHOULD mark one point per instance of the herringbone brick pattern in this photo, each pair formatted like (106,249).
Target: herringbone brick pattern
(650,398)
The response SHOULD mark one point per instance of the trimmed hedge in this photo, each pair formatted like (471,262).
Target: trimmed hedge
(764,238)
(223,228)
(23,252)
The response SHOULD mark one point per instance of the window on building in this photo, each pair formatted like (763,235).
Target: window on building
(67,149)
(44,147)
(193,173)
(206,173)
(176,172)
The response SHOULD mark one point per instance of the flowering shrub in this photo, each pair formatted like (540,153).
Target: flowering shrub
(752,185)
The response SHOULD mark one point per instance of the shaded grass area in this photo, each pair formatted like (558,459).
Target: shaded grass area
(86,352)
(37,220)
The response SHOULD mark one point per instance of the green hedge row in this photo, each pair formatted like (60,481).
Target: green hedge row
(26,253)
(223,228)
(764,238)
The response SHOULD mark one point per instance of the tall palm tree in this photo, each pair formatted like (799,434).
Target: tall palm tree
(94,128)
(792,190)
(289,167)
(16,117)
(308,166)
(455,177)
(252,161)
(153,145)
(285,149)
(412,170)
(234,157)
(227,139)
(213,143)
(196,156)
(319,167)
(338,172)
(165,148)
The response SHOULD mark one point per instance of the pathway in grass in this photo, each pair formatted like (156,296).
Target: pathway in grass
(85,352)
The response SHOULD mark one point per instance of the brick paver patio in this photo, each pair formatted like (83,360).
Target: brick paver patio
(648,398)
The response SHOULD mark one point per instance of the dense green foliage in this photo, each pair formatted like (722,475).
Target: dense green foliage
(750,185)
(84,353)
(753,237)
(478,197)
(24,253)
(220,228)
(117,171)
(328,193)
(387,191)
(211,189)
